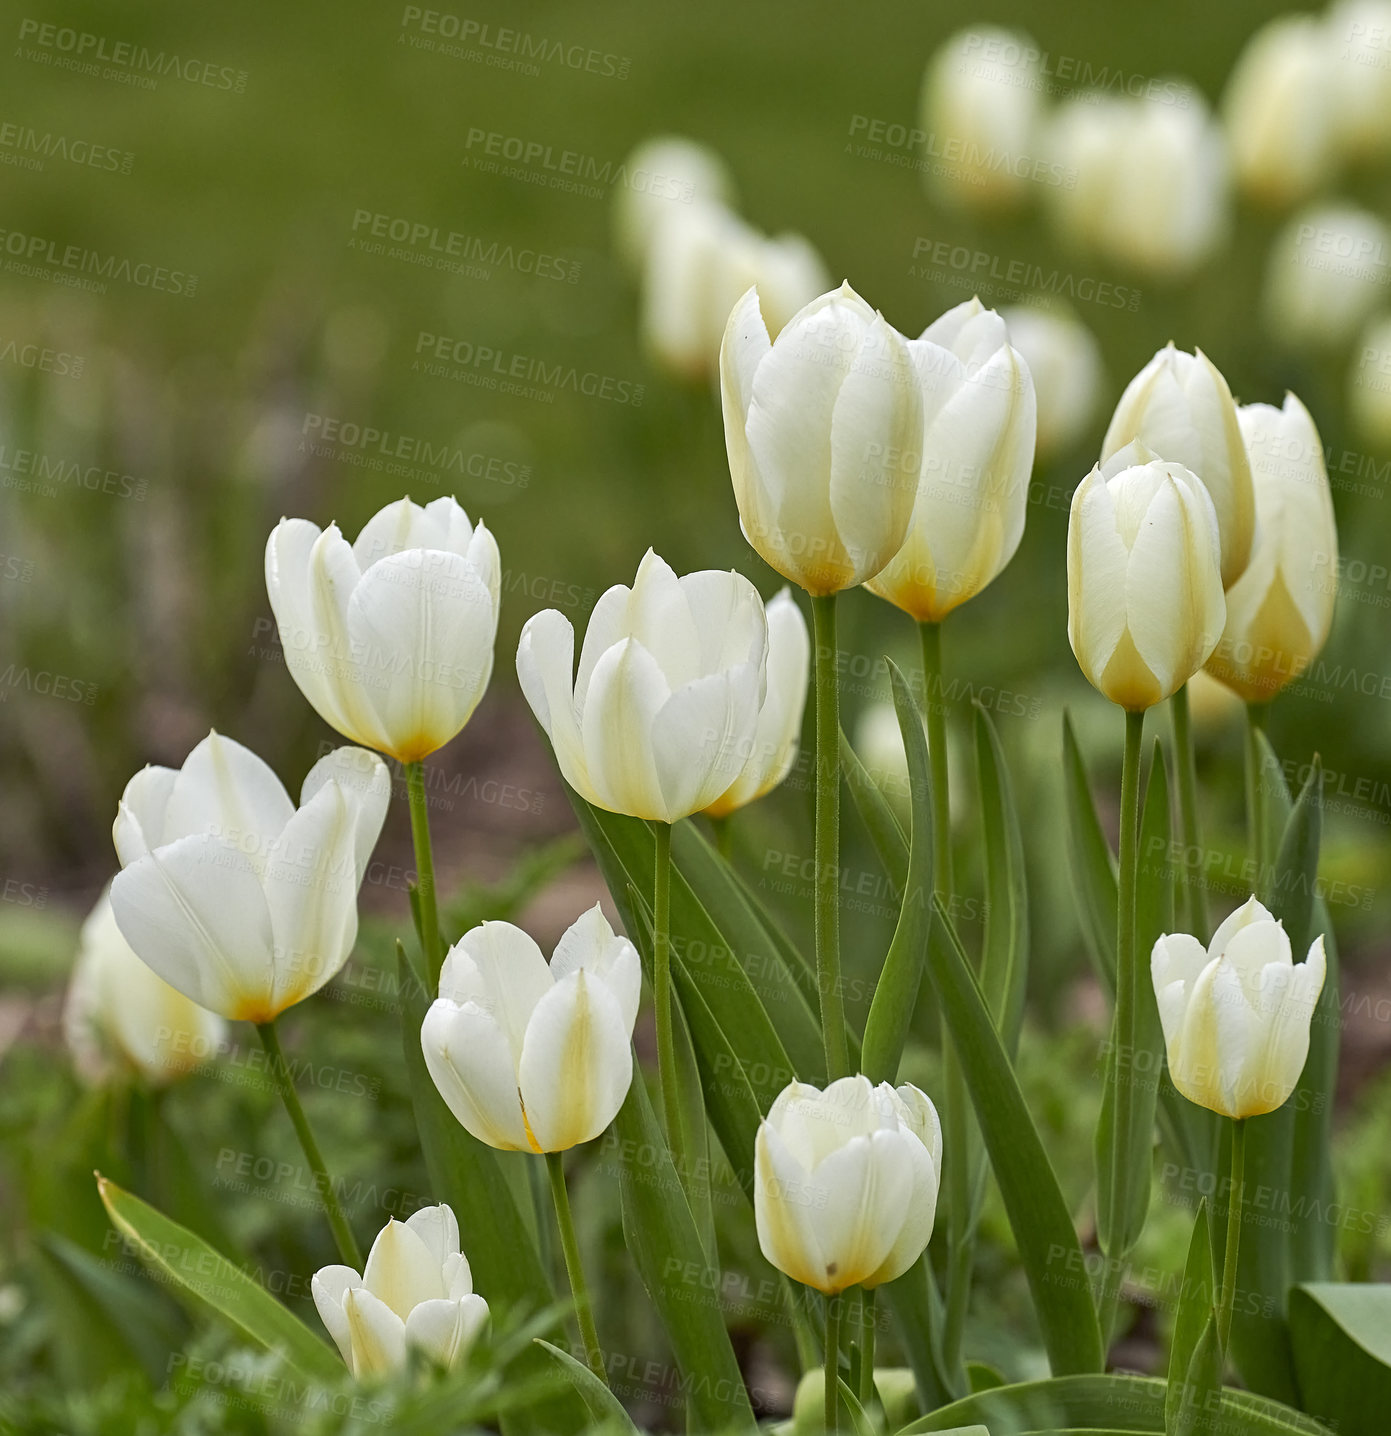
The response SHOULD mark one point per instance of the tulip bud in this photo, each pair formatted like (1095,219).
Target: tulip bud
(663,712)
(845,1182)
(1369,395)
(981,104)
(530,1057)
(665,174)
(391,639)
(1280,610)
(1328,269)
(977,453)
(1359,33)
(1179,406)
(1064,361)
(241,902)
(779,728)
(416,1294)
(120,1017)
(1279,111)
(1236,1017)
(1144,584)
(700,261)
(822,426)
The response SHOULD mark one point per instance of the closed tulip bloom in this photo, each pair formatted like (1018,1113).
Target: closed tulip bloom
(531,1057)
(389,638)
(1144,585)
(1279,111)
(1236,1016)
(416,1294)
(664,175)
(845,1182)
(1280,610)
(1359,33)
(982,99)
(1064,361)
(239,900)
(121,1018)
(701,259)
(1328,270)
(774,746)
(977,453)
(1369,392)
(821,426)
(1179,406)
(664,709)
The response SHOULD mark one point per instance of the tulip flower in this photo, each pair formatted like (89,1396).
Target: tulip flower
(1145,605)
(1359,33)
(1179,407)
(822,426)
(1328,269)
(1280,610)
(1279,111)
(662,176)
(982,100)
(1236,1015)
(415,1294)
(390,638)
(1369,393)
(120,1017)
(234,897)
(977,453)
(1064,361)
(531,1057)
(779,728)
(845,1182)
(665,707)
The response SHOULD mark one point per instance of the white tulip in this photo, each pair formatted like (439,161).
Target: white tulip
(1359,34)
(664,709)
(663,176)
(1236,1016)
(1369,392)
(1179,407)
(1328,269)
(390,639)
(1064,361)
(779,729)
(823,427)
(531,1057)
(982,100)
(1280,610)
(1279,110)
(977,453)
(416,1294)
(119,1016)
(1144,585)
(241,902)
(845,1182)
(700,261)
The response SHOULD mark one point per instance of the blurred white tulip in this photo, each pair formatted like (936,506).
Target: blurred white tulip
(823,426)
(119,1017)
(533,1057)
(1328,269)
(1064,361)
(1359,35)
(416,1293)
(1369,392)
(241,902)
(664,175)
(390,638)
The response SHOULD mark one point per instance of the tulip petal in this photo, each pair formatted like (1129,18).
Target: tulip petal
(140,817)
(1251,911)
(626,692)
(785,1211)
(699,739)
(590,943)
(867,1184)
(469,1062)
(363,776)
(224,789)
(545,670)
(1097,560)
(438,1228)
(920,1217)
(377,1334)
(402,1270)
(400,526)
(500,969)
(444,1330)
(328,1288)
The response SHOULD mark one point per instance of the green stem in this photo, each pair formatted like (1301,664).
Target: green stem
(1195,899)
(584,1312)
(1234,1204)
(280,1073)
(661,990)
(931,634)
(823,613)
(866,1391)
(832,1367)
(425,872)
(1257,821)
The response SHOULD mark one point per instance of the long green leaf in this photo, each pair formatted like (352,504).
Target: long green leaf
(1204,1377)
(1090,860)
(205,1278)
(601,1403)
(1004,970)
(1342,1349)
(1195,1308)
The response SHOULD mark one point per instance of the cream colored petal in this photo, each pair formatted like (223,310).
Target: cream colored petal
(590,943)
(224,789)
(365,779)
(329,1286)
(377,1334)
(469,1062)
(545,670)
(438,1228)
(499,968)
(445,1330)
(784,1213)
(140,816)
(402,1269)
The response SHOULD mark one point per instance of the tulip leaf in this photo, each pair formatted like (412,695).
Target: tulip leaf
(917,1307)
(896,992)
(680,1278)
(1047,1240)
(1192,1413)
(1341,1335)
(1005,950)
(603,1406)
(206,1279)
(860,1423)
(1090,859)
(1196,1303)
(880,820)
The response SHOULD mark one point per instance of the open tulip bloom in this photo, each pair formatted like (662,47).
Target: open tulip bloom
(415,1293)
